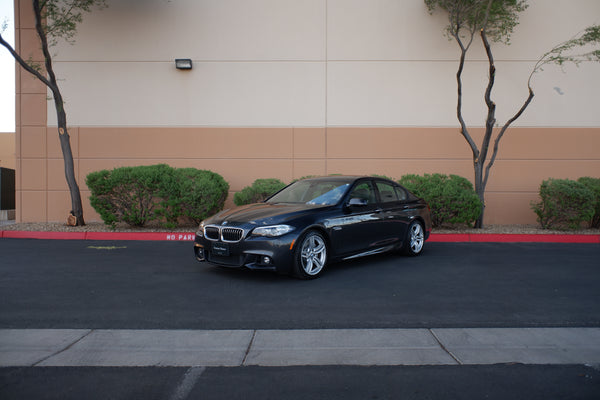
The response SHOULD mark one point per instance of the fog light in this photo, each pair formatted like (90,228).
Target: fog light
(266,260)
(199,253)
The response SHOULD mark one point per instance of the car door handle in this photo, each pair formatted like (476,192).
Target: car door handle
(378,210)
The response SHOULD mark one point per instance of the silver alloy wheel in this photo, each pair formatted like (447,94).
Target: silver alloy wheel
(416,238)
(313,254)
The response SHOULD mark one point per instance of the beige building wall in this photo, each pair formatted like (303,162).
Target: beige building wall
(288,88)
(7,150)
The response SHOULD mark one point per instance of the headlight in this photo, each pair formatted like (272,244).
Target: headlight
(200,231)
(272,231)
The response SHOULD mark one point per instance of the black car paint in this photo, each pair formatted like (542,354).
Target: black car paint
(350,231)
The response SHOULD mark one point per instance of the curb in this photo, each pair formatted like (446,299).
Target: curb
(156,236)
(512,238)
(189,236)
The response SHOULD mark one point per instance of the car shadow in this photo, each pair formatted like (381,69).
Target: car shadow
(333,270)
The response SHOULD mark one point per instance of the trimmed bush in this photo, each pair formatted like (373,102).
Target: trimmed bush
(594,185)
(128,194)
(197,195)
(564,204)
(144,194)
(258,191)
(451,198)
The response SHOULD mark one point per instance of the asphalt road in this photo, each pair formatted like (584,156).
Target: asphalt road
(499,382)
(158,285)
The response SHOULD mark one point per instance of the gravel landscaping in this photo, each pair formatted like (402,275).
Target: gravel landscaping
(101,227)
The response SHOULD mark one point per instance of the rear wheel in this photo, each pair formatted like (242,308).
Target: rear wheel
(415,239)
(311,255)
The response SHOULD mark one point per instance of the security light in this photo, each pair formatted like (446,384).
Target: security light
(183,63)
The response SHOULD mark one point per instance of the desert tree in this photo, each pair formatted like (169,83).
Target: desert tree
(57,20)
(494,21)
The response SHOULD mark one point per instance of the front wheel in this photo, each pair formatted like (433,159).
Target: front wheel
(311,255)
(415,239)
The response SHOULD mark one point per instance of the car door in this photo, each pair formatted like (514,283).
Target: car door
(394,216)
(357,229)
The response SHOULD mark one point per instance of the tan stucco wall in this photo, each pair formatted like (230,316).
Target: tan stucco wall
(7,150)
(241,155)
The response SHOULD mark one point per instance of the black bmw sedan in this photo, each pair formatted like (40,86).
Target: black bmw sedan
(313,222)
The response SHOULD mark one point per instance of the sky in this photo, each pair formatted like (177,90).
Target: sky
(7,70)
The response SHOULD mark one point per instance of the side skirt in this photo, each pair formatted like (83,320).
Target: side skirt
(371,252)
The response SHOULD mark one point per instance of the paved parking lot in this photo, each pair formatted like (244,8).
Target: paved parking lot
(511,313)
(158,285)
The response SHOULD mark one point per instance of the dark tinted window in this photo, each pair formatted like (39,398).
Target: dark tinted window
(364,191)
(401,193)
(387,192)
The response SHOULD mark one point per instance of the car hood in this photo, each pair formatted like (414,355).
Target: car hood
(262,214)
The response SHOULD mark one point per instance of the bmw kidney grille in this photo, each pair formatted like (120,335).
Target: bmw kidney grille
(226,234)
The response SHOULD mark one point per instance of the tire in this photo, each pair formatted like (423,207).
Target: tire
(311,255)
(415,239)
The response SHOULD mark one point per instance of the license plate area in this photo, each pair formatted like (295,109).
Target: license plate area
(220,249)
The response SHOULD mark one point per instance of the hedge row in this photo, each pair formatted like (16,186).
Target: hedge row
(156,193)
(258,191)
(567,204)
(185,196)
(451,198)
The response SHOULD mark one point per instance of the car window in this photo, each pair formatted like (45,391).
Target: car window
(331,194)
(312,192)
(401,193)
(387,192)
(365,192)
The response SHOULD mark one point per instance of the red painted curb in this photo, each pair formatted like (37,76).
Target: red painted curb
(168,236)
(513,238)
(189,236)
(449,237)
(44,235)
(537,238)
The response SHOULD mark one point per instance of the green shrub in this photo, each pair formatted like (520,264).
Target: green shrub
(258,191)
(196,195)
(594,185)
(451,198)
(564,204)
(144,194)
(128,194)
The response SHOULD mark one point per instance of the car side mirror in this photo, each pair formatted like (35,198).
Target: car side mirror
(357,202)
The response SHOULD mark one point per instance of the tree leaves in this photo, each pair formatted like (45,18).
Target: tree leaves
(467,17)
(62,17)
(583,47)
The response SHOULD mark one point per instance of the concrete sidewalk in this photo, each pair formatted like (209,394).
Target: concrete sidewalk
(129,348)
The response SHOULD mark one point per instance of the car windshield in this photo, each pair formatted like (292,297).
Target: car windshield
(316,192)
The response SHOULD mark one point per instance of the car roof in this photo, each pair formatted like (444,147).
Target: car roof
(345,178)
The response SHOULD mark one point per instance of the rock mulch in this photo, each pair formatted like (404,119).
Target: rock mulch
(100,227)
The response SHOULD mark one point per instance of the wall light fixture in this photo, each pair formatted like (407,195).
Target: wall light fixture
(183,63)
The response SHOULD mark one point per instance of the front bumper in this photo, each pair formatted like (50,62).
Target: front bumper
(258,253)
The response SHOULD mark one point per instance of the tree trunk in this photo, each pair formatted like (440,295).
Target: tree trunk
(76,205)
(482,171)
(51,82)
(65,141)
(480,190)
